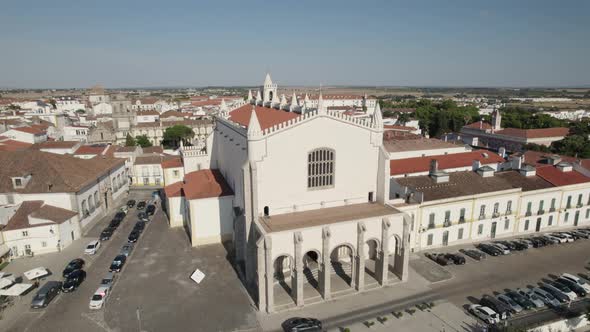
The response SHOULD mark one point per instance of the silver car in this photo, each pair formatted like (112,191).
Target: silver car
(108,280)
(547,297)
(484,313)
(127,249)
(529,294)
(516,308)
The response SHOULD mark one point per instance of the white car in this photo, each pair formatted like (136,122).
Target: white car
(563,237)
(99,298)
(581,282)
(92,247)
(503,248)
(484,313)
(560,239)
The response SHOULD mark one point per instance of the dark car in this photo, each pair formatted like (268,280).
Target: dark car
(507,244)
(141,205)
(521,300)
(143,216)
(475,254)
(455,258)
(559,295)
(438,258)
(298,324)
(133,236)
(139,226)
(498,306)
(119,216)
(106,233)
(115,223)
(538,242)
(118,263)
(73,281)
(488,249)
(574,286)
(150,210)
(519,245)
(45,294)
(75,264)
(130,203)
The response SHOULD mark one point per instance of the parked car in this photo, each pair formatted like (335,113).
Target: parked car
(565,290)
(505,245)
(133,236)
(92,247)
(550,240)
(524,302)
(475,254)
(559,295)
(514,307)
(150,210)
(438,258)
(528,242)
(538,242)
(498,306)
(455,258)
(531,296)
(302,324)
(556,239)
(139,226)
(130,203)
(118,263)
(488,249)
(580,281)
(45,294)
(108,280)
(563,238)
(124,209)
(99,298)
(519,246)
(114,223)
(581,235)
(73,265)
(504,249)
(546,297)
(579,290)
(106,234)
(141,205)
(127,249)
(73,281)
(119,216)
(486,314)
(142,216)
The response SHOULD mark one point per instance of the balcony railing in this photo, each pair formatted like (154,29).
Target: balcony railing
(508,212)
(528,214)
(430,225)
(569,206)
(461,220)
(579,205)
(447,223)
(540,212)
(495,214)
(552,209)
(482,216)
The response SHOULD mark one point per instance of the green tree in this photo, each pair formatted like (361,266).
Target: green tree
(573,145)
(143,141)
(173,135)
(129,140)
(53,103)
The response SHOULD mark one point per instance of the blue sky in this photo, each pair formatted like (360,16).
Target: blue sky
(188,43)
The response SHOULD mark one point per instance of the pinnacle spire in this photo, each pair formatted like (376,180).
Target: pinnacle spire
(253,125)
(250,95)
(377,117)
(321,108)
(267,79)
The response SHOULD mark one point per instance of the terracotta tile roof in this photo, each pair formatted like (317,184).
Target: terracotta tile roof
(205,183)
(149,160)
(479,125)
(12,145)
(52,173)
(37,209)
(178,114)
(56,145)
(146,113)
(537,158)
(166,124)
(559,178)
(398,135)
(30,130)
(125,148)
(96,149)
(534,133)
(267,117)
(447,161)
(172,163)
(153,149)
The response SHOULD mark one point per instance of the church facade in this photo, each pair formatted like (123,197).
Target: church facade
(301,195)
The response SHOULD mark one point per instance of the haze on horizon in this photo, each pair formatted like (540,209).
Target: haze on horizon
(150,43)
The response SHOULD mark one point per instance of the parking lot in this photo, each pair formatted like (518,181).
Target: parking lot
(153,292)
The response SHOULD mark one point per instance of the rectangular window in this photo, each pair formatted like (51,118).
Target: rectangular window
(175,173)
(480,229)
(509,207)
(569,202)
(18,182)
(25,233)
(496,208)
(587,213)
(447,216)
(482,212)
(462,215)
(429,242)
(580,200)
(506,224)
(541,203)
(550,221)
(146,181)
(43,244)
(567,215)
(526,225)
(460,234)
(529,207)
(553,204)
(431,221)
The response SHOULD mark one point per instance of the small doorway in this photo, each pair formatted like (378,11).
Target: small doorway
(538,227)
(28,251)
(493,234)
(266,211)
(106,201)
(72,234)
(576,218)
(445,238)
(371,197)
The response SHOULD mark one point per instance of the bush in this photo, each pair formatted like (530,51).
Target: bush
(369,323)
(398,314)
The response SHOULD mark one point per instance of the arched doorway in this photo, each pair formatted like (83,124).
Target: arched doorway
(311,269)
(371,260)
(395,259)
(342,263)
(282,273)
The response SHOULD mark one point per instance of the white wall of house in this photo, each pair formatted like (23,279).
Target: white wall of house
(22,136)
(212,220)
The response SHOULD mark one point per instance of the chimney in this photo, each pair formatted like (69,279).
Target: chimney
(515,162)
(564,166)
(528,170)
(502,152)
(475,165)
(433,166)
(553,159)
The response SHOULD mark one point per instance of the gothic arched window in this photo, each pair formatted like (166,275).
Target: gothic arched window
(320,168)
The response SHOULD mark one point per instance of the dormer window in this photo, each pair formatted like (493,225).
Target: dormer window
(20,182)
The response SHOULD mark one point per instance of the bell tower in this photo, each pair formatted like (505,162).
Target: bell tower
(269,90)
